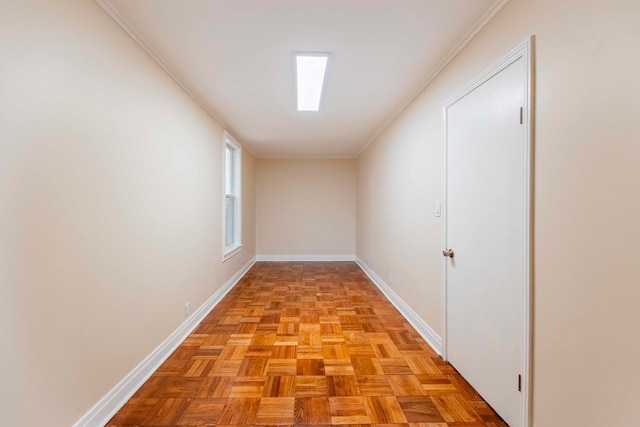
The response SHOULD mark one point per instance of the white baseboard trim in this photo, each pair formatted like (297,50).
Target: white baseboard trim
(412,317)
(305,257)
(115,399)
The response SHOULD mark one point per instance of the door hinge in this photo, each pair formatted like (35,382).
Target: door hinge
(519,382)
(521,114)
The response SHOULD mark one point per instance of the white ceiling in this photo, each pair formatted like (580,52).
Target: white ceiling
(236,58)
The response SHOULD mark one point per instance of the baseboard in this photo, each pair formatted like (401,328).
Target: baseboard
(416,321)
(305,257)
(115,399)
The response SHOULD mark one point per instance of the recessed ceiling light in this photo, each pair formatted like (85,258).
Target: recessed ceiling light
(311,68)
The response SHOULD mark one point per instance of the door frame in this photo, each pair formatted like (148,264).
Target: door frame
(523,51)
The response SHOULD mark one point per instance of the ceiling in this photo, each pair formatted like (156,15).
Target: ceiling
(235,57)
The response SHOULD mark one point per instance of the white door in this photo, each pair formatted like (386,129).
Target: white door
(487,229)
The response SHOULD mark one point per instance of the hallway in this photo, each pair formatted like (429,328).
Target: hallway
(305,343)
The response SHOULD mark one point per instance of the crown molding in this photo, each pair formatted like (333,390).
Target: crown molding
(117,17)
(306,157)
(113,13)
(469,35)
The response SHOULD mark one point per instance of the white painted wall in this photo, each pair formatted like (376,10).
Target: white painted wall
(305,207)
(110,208)
(586,204)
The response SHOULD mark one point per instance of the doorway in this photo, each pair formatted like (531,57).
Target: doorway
(487,234)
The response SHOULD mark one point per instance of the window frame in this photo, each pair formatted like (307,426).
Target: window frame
(229,250)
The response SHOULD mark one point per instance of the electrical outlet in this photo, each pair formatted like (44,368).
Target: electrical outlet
(390,278)
(187,310)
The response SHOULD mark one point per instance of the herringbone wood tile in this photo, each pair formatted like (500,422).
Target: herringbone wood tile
(305,344)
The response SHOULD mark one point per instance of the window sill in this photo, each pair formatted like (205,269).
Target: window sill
(231,251)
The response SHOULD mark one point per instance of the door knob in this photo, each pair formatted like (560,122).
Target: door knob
(448,252)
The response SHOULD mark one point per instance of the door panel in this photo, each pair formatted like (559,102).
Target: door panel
(486,222)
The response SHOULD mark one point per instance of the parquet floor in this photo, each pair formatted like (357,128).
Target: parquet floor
(305,344)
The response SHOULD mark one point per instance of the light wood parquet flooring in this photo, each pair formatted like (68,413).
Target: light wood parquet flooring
(305,344)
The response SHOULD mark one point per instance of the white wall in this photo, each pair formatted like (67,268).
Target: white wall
(586,204)
(305,206)
(110,208)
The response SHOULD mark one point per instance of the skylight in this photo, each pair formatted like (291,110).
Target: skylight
(311,69)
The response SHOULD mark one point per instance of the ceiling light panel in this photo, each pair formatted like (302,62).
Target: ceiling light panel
(310,70)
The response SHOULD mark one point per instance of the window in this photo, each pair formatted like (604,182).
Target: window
(232,220)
